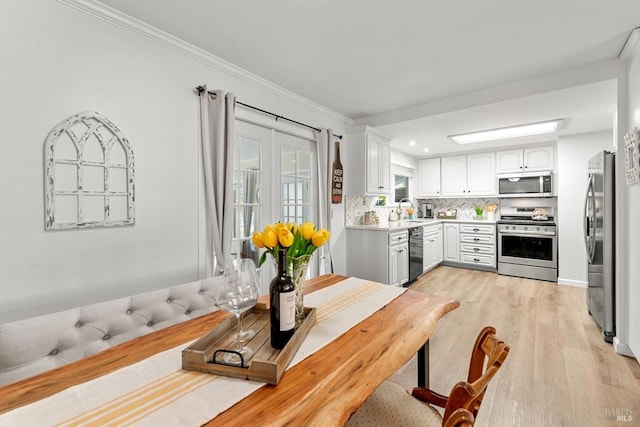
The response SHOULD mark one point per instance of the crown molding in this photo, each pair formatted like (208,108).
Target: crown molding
(631,45)
(149,32)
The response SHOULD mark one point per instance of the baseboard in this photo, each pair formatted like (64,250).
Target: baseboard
(570,282)
(622,348)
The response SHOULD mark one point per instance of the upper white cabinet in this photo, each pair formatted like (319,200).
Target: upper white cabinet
(369,157)
(481,174)
(454,176)
(472,175)
(429,177)
(526,159)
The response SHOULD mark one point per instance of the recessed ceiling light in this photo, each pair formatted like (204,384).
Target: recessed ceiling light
(426,150)
(508,132)
(412,143)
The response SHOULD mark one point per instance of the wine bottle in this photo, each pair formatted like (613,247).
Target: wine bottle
(283,304)
(337,177)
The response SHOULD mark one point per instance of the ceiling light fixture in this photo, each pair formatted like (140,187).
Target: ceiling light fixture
(508,132)
(426,150)
(412,143)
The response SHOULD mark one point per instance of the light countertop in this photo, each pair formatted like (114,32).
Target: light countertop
(399,225)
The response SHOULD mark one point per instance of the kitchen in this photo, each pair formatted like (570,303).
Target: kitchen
(144,79)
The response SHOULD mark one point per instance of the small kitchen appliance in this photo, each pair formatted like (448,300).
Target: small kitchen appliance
(427,210)
(527,184)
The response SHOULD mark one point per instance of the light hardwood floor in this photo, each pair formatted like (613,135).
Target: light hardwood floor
(559,372)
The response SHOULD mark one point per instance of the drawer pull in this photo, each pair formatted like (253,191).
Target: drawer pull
(476,229)
(476,249)
(475,239)
(476,260)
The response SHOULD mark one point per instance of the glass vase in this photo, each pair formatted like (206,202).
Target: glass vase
(299,268)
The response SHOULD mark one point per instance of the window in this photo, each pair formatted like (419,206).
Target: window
(247,177)
(401,187)
(296,185)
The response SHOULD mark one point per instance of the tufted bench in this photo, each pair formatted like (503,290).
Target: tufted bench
(31,346)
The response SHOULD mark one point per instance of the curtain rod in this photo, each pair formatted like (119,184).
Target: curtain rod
(200,89)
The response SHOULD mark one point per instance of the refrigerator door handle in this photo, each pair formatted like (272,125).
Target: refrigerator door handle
(587,219)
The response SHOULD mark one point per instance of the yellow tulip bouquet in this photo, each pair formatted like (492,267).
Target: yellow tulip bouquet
(300,240)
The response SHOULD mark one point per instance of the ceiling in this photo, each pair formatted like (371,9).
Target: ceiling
(362,58)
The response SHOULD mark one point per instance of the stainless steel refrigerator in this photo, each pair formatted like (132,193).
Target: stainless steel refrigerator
(599,237)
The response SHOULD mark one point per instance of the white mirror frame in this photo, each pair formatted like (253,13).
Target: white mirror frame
(78,129)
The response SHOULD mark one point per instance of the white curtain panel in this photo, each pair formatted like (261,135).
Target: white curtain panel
(217,122)
(324,138)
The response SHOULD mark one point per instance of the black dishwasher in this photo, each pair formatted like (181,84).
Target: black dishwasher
(415,253)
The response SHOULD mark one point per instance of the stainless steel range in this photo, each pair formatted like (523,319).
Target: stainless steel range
(527,243)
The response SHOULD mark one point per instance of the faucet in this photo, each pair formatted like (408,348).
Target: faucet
(400,205)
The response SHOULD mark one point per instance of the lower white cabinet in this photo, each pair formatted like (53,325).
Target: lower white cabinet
(378,255)
(432,247)
(398,264)
(478,244)
(451,242)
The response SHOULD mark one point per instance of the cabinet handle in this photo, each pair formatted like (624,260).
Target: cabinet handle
(475,239)
(476,249)
(476,260)
(476,229)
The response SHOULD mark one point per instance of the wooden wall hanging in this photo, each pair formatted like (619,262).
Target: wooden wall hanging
(337,177)
(89,174)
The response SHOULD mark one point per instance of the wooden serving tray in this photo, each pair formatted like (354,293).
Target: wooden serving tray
(266,365)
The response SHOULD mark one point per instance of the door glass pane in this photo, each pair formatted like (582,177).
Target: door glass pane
(288,162)
(304,164)
(304,191)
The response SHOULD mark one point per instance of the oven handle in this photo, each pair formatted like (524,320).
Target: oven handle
(528,233)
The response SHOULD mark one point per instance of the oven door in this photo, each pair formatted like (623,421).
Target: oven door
(527,249)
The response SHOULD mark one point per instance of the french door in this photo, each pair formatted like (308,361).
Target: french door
(275,179)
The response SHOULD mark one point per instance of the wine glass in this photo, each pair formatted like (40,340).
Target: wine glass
(238,294)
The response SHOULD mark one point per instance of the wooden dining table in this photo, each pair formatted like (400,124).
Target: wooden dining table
(324,389)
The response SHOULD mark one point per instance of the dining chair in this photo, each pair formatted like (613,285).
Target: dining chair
(390,404)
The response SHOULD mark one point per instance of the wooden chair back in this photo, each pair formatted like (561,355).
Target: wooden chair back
(488,355)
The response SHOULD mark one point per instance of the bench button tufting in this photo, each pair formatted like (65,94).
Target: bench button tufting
(200,292)
(129,311)
(187,312)
(106,337)
(168,300)
(149,323)
(78,324)
(53,352)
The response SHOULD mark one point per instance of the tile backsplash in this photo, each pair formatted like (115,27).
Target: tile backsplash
(356,206)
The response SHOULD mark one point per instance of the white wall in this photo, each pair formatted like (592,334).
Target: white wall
(633,207)
(58,61)
(574,152)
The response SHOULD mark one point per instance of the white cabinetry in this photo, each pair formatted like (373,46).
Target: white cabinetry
(398,262)
(472,175)
(432,247)
(478,244)
(454,176)
(429,177)
(378,255)
(369,157)
(451,245)
(481,174)
(526,159)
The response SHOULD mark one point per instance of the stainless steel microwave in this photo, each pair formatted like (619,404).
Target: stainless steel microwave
(527,184)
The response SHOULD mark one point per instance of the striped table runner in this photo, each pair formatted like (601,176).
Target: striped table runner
(156,392)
